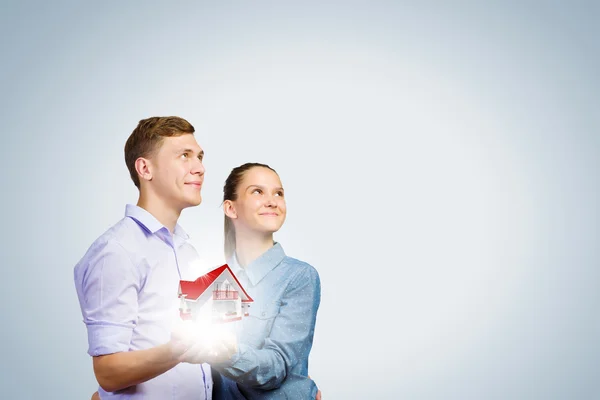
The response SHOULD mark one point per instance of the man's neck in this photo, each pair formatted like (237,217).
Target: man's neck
(163,212)
(248,247)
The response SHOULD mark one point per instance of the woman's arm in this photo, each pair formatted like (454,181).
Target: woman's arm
(289,341)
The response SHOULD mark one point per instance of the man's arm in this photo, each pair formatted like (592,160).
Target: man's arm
(120,370)
(107,285)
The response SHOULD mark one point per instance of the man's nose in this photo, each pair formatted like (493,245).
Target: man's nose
(198,167)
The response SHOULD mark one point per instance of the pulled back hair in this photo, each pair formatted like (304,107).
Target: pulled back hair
(148,136)
(230,192)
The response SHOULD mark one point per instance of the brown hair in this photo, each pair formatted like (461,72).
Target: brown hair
(230,193)
(148,136)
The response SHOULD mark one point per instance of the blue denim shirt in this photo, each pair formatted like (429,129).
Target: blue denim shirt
(276,338)
(127,286)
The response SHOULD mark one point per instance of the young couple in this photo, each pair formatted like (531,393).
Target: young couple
(127,283)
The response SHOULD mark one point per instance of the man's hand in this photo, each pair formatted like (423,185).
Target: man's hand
(212,347)
(197,343)
(182,339)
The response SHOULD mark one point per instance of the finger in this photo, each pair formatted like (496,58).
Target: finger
(220,353)
(196,354)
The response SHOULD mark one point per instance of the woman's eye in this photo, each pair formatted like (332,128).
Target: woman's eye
(257,191)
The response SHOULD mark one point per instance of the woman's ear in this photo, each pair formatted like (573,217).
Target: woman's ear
(229,209)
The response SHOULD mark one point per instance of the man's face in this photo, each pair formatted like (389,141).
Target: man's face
(260,204)
(177,171)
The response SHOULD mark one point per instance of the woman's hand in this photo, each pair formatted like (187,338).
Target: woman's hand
(318,390)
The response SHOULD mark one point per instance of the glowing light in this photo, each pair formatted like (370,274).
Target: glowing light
(216,340)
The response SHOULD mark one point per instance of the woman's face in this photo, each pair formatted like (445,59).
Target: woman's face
(260,204)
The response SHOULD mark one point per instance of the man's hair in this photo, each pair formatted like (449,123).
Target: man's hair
(147,137)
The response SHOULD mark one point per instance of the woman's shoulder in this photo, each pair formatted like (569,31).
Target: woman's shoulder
(297,262)
(300,267)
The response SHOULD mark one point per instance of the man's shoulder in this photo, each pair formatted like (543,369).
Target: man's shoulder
(124,237)
(126,233)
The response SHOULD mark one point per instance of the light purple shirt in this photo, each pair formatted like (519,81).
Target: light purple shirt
(127,286)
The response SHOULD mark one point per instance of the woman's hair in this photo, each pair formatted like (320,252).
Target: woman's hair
(230,192)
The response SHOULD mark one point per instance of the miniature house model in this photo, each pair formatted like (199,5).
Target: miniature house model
(216,296)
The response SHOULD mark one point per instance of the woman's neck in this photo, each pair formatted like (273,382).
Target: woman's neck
(248,247)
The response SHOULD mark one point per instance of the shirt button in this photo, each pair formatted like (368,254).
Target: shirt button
(263,313)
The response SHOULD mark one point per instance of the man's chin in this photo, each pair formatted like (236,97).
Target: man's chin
(194,202)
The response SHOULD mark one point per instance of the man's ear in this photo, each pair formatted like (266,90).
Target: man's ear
(143,168)
(229,209)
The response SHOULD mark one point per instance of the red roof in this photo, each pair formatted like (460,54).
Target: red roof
(194,289)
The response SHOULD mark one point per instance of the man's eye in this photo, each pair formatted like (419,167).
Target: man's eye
(184,155)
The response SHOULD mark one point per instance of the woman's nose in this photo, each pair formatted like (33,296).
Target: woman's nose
(271,201)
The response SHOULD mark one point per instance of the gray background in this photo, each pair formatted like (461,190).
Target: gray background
(440,161)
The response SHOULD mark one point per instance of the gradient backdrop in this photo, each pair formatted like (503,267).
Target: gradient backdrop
(440,161)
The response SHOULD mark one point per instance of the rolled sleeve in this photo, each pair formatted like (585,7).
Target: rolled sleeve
(107,283)
(289,341)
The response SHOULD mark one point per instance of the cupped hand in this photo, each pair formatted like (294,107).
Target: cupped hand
(210,346)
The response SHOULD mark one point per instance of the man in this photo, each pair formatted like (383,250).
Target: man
(128,279)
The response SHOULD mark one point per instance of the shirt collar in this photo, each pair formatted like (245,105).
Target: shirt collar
(150,223)
(260,267)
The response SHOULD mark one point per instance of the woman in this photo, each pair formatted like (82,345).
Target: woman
(275,340)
